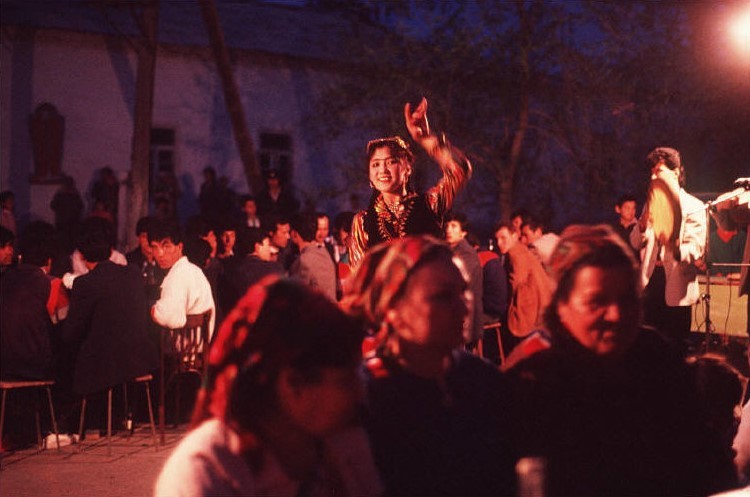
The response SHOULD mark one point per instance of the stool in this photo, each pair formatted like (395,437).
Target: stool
(496,326)
(146,380)
(46,384)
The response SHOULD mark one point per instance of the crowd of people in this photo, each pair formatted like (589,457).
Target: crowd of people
(365,359)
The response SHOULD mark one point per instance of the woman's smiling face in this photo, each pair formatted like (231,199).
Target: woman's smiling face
(389,172)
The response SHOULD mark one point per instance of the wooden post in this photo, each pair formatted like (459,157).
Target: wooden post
(231,96)
(144,105)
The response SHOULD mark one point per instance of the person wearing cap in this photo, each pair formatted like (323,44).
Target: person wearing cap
(276,199)
(395,209)
(609,405)
(669,269)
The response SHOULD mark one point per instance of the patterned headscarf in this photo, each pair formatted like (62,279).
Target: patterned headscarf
(277,324)
(579,241)
(381,278)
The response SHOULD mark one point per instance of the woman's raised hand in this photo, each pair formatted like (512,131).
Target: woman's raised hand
(416,121)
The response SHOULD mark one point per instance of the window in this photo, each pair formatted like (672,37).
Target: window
(276,153)
(163,182)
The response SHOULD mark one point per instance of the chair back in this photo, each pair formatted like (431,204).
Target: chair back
(188,346)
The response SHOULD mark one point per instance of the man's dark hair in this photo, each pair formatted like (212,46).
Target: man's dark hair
(343,220)
(306,225)
(164,230)
(96,239)
(247,198)
(197,227)
(6,236)
(197,251)
(210,171)
(460,218)
(533,223)
(671,159)
(627,197)
(5,195)
(39,243)
(522,213)
(271,223)
(501,224)
(247,238)
(143,224)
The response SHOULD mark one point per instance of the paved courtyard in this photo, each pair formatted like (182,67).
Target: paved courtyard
(130,470)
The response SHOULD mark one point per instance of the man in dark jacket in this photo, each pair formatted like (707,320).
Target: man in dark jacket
(107,318)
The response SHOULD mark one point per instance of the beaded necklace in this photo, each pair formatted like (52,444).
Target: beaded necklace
(392,219)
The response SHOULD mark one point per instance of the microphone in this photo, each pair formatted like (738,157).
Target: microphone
(742,183)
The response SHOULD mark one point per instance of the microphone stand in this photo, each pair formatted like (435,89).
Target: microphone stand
(706,297)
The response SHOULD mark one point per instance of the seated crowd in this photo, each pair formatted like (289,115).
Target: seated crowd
(386,378)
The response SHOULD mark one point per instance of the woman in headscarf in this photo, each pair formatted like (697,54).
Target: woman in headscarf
(395,209)
(277,414)
(609,405)
(437,416)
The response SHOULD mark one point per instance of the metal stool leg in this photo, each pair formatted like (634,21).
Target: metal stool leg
(109,422)
(500,347)
(80,423)
(39,443)
(151,416)
(2,416)
(52,416)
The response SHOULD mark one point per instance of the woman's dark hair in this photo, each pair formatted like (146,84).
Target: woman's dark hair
(397,146)
(278,324)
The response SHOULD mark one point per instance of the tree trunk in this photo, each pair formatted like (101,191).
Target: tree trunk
(144,105)
(231,96)
(507,174)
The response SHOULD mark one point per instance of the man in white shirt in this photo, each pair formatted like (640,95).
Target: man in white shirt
(185,289)
(669,270)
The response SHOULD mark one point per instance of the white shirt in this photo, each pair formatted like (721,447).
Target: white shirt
(79,268)
(185,290)
(209,461)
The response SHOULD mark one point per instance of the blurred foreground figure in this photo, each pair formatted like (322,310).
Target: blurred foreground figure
(437,415)
(610,406)
(277,414)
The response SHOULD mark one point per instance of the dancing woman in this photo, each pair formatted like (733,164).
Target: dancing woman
(395,209)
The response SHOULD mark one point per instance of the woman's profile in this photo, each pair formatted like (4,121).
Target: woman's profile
(278,412)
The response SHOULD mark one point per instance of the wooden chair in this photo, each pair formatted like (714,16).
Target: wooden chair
(183,350)
(6,386)
(146,381)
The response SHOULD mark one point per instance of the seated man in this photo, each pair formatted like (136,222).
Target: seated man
(314,267)
(7,251)
(456,229)
(530,288)
(142,257)
(185,289)
(252,264)
(107,317)
(25,324)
